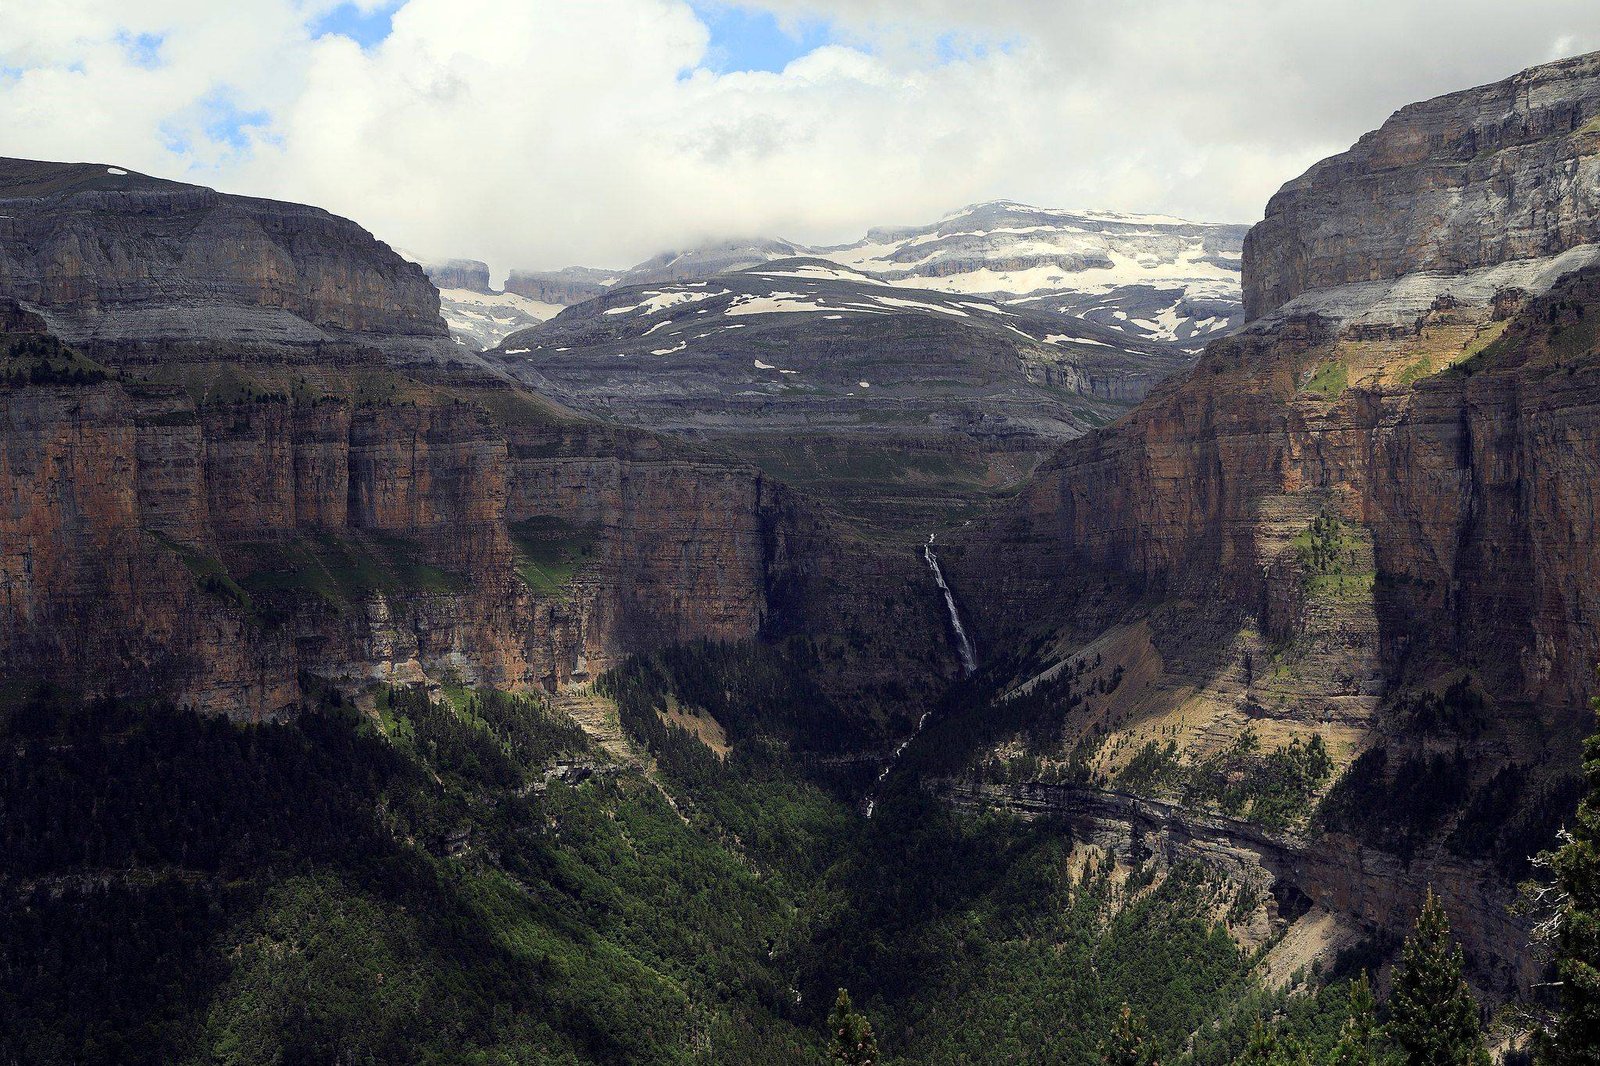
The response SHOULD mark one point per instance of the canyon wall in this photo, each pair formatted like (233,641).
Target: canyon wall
(1381,488)
(239,448)
(1508,171)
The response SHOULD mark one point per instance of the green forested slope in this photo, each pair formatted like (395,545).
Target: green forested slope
(468,880)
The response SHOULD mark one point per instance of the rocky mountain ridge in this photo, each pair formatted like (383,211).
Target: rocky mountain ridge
(1364,517)
(132,267)
(1496,174)
(801,350)
(570,286)
(244,451)
(1149,276)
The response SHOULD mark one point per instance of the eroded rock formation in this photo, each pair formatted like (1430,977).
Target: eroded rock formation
(1508,171)
(239,448)
(1379,490)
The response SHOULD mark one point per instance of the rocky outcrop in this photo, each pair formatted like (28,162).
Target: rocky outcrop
(275,464)
(469,274)
(1508,171)
(1380,489)
(137,269)
(570,286)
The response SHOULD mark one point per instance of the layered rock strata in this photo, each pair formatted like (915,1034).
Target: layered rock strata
(1385,480)
(239,448)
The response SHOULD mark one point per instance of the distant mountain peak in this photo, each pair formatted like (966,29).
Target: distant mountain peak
(1153,277)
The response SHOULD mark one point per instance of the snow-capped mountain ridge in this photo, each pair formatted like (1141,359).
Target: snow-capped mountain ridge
(1154,277)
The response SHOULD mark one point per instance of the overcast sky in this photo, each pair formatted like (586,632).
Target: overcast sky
(545,133)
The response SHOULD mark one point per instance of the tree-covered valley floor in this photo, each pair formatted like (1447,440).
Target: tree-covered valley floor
(469,879)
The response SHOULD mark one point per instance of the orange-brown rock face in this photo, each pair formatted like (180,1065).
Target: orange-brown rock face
(1378,494)
(214,553)
(288,468)
(1474,483)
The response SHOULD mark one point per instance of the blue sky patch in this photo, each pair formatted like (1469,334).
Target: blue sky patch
(224,122)
(215,121)
(143,49)
(749,39)
(349,21)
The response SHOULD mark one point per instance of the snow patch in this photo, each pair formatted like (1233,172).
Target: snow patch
(661,300)
(506,303)
(819,273)
(777,303)
(891,301)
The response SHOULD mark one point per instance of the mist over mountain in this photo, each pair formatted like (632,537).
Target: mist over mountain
(1151,276)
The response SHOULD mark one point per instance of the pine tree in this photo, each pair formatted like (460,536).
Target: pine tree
(852,1041)
(1266,1048)
(1433,1019)
(1355,1047)
(1575,1038)
(1131,1043)
(1262,1050)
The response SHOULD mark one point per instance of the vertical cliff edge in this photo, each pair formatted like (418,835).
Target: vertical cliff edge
(240,448)
(1368,518)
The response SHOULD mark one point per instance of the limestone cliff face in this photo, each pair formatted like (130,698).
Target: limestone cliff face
(238,447)
(570,286)
(1460,444)
(470,274)
(1476,490)
(214,553)
(1508,171)
(1382,488)
(129,266)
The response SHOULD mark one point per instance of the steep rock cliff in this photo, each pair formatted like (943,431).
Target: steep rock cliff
(1368,517)
(239,448)
(137,269)
(1508,171)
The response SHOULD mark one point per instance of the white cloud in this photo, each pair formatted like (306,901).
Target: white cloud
(547,132)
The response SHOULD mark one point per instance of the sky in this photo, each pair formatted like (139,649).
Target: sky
(548,133)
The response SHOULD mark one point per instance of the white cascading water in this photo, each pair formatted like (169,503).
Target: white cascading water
(964,650)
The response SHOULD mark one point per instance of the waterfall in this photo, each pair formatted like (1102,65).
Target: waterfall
(964,649)
(969,656)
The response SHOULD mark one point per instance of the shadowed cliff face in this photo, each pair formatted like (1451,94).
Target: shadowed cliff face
(1343,521)
(240,448)
(215,551)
